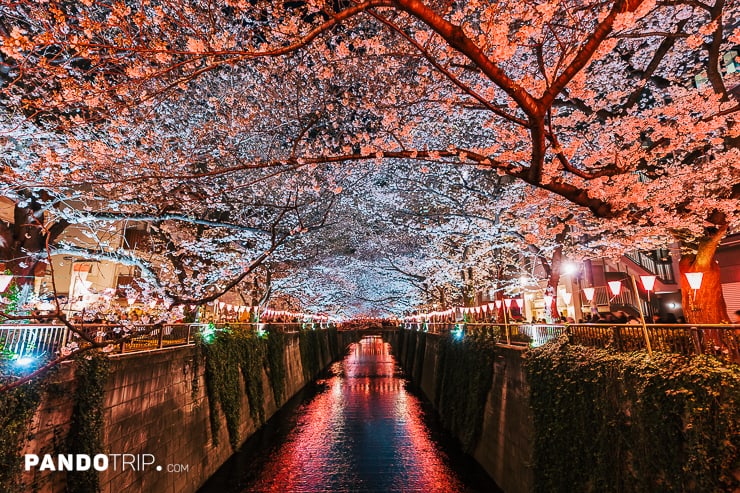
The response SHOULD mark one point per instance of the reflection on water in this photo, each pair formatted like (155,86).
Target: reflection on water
(362,431)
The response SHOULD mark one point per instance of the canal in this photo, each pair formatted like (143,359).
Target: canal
(359,428)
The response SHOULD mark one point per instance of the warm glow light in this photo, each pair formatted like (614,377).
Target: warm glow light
(4,281)
(615,287)
(567,297)
(589,292)
(694,279)
(648,282)
(569,268)
(507,302)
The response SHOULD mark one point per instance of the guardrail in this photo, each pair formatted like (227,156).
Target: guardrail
(30,340)
(25,341)
(721,340)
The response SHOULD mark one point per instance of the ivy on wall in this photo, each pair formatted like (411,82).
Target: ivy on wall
(276,364)
(607,421)
(17,408)
(464,378)
(228,354)
(86,424)
(464,375)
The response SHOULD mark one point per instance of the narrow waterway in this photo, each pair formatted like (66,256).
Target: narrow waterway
(359,429)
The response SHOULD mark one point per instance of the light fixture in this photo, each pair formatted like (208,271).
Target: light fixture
(4,281)
(589,292)
(569,268)
(567,297)
(615,287)
(648,282)
(694,279)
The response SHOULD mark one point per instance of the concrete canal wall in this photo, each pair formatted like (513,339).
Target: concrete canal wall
(155,405)
(505,440)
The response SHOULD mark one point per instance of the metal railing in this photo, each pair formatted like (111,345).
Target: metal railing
(721,340)
(32,340)
(26,340)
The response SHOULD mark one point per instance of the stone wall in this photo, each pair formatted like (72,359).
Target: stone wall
(504,447)
(155,404)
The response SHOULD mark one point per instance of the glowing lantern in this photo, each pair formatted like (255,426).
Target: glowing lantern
(615,287)
(4,281)
(589,292)
(694,279)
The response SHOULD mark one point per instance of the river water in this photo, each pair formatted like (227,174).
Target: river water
(357,429)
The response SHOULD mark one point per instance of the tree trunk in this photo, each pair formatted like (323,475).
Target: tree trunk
(551,309)
(707,304)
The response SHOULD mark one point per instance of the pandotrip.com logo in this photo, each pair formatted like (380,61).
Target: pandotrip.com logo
(99,462)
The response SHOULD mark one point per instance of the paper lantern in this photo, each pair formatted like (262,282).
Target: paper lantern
(694,279)
(589,292)
(648,282)
(615,287)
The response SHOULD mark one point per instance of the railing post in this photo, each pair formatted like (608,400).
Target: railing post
(161,336)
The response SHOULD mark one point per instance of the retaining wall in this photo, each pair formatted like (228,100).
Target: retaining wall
(154,404)
(505,444)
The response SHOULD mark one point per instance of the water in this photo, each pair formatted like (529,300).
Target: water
(360,429)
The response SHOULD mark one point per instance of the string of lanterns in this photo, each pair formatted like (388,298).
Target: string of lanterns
(267,314)
(484,309)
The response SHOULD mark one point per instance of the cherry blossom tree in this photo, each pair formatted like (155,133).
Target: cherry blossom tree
(591,102)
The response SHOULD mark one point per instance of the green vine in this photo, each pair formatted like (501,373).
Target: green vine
(624,422)
(227,355)
(276,363)
(252,363)
(310,353)
(17,408)
(464,375)
(86,425)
